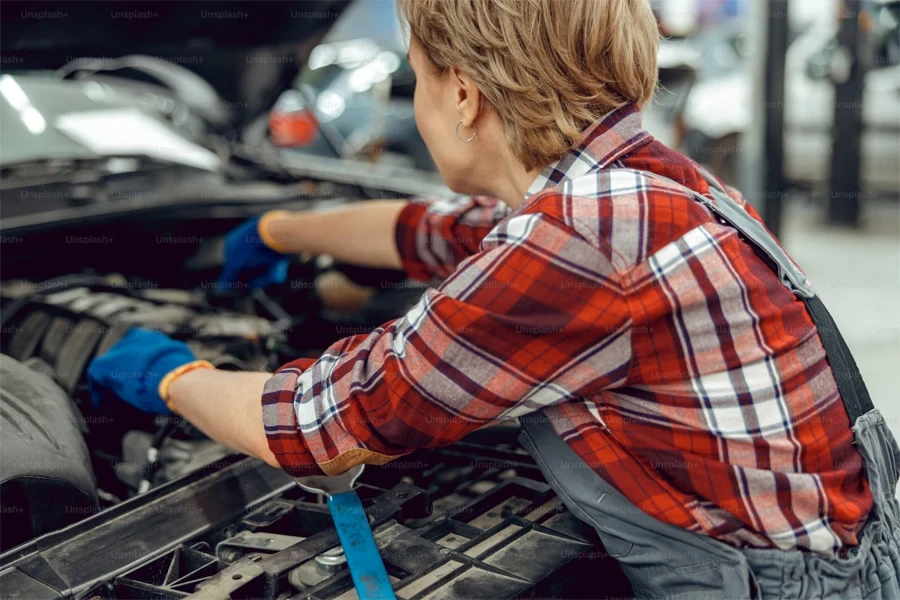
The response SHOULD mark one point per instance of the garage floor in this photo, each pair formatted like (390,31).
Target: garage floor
(857,274)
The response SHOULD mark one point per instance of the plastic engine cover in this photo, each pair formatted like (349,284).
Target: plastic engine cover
(46,480)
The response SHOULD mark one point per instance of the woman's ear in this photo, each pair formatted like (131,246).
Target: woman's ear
(467,96)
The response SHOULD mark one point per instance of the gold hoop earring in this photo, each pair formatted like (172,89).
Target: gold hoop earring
(474,133)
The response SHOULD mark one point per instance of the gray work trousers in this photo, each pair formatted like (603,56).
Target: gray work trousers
(664,561)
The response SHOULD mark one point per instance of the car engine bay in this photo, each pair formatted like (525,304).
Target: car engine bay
(55,327)
(453,522)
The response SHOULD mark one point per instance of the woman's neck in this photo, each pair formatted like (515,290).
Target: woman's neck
(497,172)
(510,181)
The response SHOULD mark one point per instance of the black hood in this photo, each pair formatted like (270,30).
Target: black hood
(91,28)
(248,50)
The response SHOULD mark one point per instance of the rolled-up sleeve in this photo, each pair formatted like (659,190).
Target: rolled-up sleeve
(434,235)
(280,420)
(536,318)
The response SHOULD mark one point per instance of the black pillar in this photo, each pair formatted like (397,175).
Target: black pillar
(774,185)
(847,73)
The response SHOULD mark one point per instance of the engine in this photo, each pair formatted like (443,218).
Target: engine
(52,330)
(50,335)
(47,479)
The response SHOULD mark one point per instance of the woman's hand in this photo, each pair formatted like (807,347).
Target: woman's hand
(157,374)
(136,368)
(359,234)
(249,261)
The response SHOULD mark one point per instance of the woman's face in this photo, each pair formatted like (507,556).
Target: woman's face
(437,113)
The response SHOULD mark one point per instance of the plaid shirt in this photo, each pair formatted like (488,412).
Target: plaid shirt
(664,351)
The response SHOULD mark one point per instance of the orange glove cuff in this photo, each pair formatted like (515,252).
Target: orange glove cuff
(174,374)
(266,236)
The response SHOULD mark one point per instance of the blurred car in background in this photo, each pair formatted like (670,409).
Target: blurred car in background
(683,18)
(719,106)
(716,109)
(353,101)
(354,98)
(813,65)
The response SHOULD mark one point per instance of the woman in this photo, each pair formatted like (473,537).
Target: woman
(673,389)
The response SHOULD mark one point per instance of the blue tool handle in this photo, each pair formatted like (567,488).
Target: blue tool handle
(366,568)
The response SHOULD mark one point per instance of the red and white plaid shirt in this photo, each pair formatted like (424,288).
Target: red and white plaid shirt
(667,353)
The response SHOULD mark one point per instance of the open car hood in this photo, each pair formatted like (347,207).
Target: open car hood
(248,51)
(96,28)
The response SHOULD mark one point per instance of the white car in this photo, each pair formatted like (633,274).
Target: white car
(812,64)
(719,108)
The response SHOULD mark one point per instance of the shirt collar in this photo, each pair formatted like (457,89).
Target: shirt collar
(607,139)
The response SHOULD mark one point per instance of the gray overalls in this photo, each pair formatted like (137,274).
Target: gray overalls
(664,561)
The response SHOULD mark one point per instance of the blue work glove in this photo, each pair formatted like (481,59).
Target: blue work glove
(134,368)
(249,261)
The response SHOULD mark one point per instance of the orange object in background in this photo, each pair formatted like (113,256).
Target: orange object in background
(293,128)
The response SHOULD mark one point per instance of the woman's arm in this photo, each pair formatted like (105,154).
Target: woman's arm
(361,234)
(425,237)
(205,396)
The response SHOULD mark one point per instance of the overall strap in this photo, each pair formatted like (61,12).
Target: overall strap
(853,390)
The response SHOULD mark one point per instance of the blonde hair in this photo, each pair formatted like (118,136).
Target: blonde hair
(548,67)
